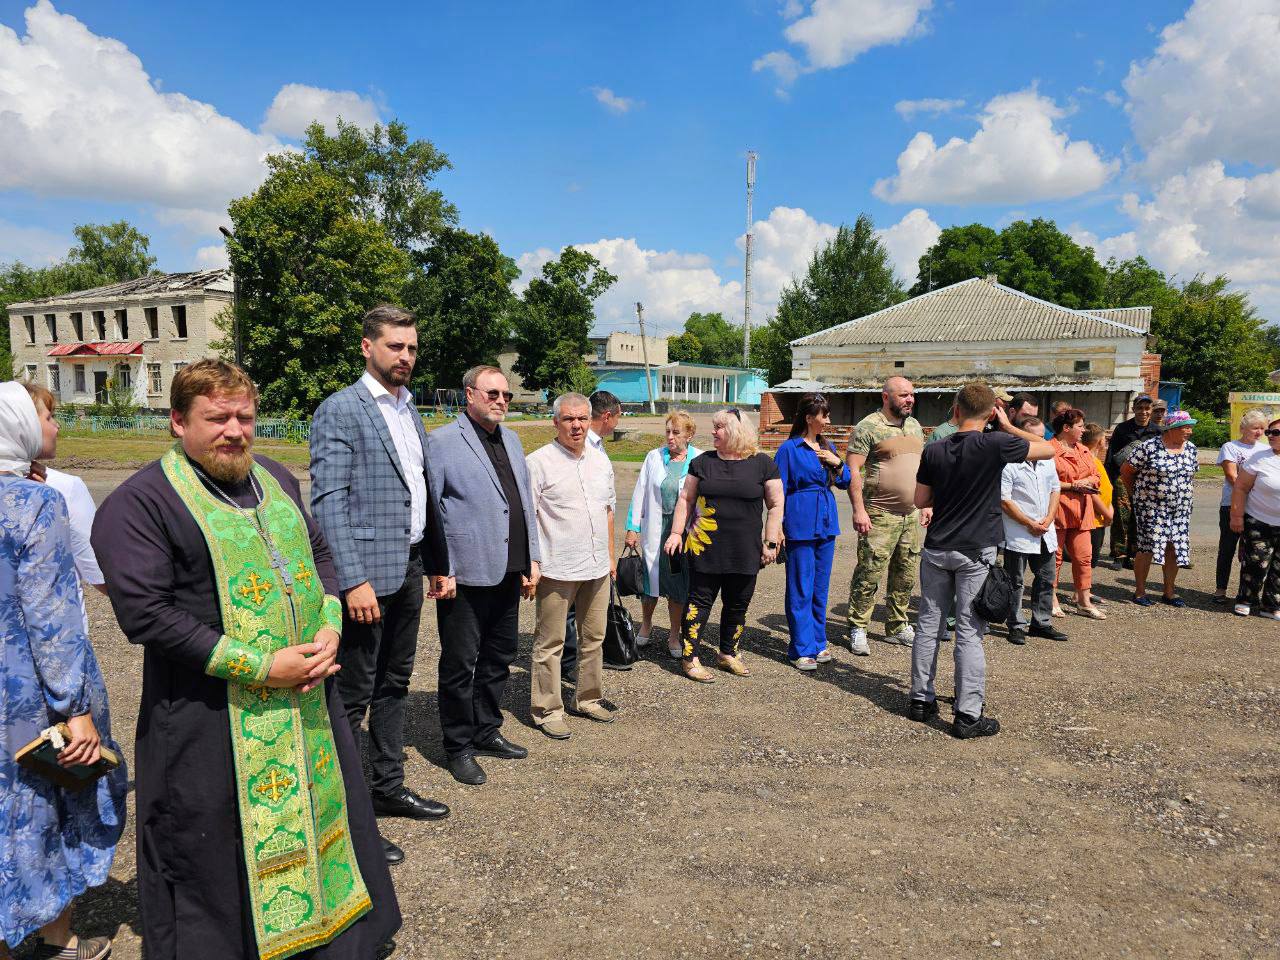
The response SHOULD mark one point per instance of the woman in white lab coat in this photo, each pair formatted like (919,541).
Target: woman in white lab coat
(649,524)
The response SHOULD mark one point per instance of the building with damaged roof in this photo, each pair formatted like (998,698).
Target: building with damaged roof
(136,334)
(977,329)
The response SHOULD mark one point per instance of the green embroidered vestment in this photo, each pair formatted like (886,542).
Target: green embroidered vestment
(305,886)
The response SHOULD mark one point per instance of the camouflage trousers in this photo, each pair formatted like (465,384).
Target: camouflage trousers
(1124,528)
(893,542)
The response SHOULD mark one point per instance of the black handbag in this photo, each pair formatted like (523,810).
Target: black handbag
(630,573)
(995,598)
(620,650)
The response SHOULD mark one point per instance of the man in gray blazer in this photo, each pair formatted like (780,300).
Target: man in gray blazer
(480,491)
(369,495)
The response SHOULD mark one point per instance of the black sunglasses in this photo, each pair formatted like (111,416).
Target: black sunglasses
(736,412)
(1273,433)
(506,395)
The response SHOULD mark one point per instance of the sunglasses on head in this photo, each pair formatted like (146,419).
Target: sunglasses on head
(736,412)
(506,395)
(1273,433)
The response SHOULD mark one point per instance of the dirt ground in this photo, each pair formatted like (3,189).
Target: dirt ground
(1129,808)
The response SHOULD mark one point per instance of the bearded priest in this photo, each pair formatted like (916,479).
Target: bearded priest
(256,836)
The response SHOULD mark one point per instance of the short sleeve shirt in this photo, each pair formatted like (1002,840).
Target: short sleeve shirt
(724,535)
(1264,498)
(964,472)
(1233,451)
(942,431)
(892,452)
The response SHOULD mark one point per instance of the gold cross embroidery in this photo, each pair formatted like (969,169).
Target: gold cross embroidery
(276,786)
(303,573)
(323,761)
(256,588)
(261,691)
(240,666)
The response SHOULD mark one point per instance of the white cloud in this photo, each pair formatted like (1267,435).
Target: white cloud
(208,258)
(836,32)
(907,240)
(1017,156)
(34,246)
(931,105)
(297,106)
(1205,221)
(1123,246)
(612,102)
(1209,91)
(1112,99)
(672,284)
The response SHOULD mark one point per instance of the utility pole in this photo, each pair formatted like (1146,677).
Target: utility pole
(746,268)
(644,350)
(235,305)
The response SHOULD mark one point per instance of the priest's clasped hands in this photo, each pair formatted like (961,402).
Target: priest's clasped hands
(306,665)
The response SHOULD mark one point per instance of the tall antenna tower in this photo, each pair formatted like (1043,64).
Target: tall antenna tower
(746,267)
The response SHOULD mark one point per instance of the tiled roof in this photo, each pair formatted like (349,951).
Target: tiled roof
(122,349)
(156,284)
(973,311)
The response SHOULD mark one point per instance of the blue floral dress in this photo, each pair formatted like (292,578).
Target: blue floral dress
(53,843)
(1163,493)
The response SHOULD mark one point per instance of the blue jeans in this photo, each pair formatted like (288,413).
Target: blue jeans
(808,577)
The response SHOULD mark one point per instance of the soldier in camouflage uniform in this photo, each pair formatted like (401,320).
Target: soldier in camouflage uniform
(888,443)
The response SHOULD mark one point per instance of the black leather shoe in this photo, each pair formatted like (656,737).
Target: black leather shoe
(465,770)
(1017,636)
(405,803)
(616,666)
(922,711)
(393,853)
(1049,633)
(966,728)
(502,748)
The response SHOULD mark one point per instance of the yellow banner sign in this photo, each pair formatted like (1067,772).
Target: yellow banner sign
(1242,403)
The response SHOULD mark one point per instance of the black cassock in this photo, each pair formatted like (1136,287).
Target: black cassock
(192,884)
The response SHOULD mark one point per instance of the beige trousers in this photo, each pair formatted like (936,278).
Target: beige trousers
(554,598)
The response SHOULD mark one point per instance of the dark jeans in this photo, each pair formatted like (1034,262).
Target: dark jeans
(735,591)
(1097,535)
(479,638)
(1228,541)
(377,662)
(1043,570)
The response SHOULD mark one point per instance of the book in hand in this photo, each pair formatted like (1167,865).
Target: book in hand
(41,756)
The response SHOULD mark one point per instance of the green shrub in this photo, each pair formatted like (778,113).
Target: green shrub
(1209,431)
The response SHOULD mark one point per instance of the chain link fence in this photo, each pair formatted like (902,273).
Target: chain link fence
(266,428)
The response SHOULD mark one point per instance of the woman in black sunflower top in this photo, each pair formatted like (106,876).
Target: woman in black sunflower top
(720,507)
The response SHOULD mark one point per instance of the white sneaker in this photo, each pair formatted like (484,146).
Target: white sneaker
(1241,609)
(904,637)
(641,640)
(805,663)
(858,642)
(824,655)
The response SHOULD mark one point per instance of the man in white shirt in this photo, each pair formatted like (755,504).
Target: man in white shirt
(1029,495)
(571,485)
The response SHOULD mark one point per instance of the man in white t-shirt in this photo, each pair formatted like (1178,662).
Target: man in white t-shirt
(1230,456)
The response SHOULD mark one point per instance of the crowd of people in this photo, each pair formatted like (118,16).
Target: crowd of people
(275,630)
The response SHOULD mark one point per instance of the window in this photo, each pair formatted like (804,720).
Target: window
(680,387)
(179,321)
(153,378)
(152,315)
(77,324)
(178,365)
(666,385)
(79,378)
(55,380)
(100,324)
(124,377)
(122,324)
(31,373)
(30,322)
(51,326)
(899,364)
(1082,366)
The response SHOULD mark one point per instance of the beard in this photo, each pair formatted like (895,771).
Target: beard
(228,467)
(397,376)
(901,410)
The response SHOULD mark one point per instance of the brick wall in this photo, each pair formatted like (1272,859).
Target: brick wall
(1150,373)
(770,415)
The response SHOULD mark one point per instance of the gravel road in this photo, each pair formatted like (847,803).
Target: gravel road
(1129,808)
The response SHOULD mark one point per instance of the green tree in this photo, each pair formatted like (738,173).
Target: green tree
(719,341)
(1212,339)
(389,177)
(684,348)
(310,262)
(554,317)
(1035,257)
(461,292)
(848,278)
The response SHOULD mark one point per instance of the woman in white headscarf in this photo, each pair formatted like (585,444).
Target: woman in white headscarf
(55,843)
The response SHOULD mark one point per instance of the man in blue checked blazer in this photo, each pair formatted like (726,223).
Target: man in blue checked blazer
(480,491)
(369,495)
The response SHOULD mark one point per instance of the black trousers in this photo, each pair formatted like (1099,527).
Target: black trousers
(377,662)
(479,638)
(1228,541)
(735,591)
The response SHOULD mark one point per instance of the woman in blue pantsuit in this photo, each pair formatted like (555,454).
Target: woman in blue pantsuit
(809,466)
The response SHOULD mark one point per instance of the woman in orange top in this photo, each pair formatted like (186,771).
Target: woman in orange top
(1078,474)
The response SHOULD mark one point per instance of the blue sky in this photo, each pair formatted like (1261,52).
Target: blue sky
(1142,127)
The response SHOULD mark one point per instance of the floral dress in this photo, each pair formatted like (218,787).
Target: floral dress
(53,843)
(1163,496)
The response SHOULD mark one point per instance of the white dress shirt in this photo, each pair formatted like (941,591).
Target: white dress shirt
(401,417)
(595,440)
(572,497)
(1030,487)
